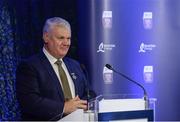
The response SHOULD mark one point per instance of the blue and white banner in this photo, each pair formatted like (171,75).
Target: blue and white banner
(139,38)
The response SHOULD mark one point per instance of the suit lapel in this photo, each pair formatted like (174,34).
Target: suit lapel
(51,73)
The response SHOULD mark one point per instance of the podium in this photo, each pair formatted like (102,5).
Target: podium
(126,107)
(77,116)
(119,108)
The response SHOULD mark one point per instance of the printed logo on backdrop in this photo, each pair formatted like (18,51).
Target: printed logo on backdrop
(146,47)
(105,47)
(147,20)
(107,75)
(148,74)
(107,19)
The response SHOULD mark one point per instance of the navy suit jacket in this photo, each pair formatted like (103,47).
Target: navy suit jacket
(38,89)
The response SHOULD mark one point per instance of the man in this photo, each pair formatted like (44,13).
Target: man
(50,85)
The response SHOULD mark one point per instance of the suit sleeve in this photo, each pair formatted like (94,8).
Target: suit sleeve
(30,98)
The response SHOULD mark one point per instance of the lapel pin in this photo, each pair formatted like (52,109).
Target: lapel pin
(74,76)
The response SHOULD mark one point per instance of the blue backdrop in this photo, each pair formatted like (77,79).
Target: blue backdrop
(140,38)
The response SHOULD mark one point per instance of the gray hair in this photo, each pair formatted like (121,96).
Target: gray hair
(56,21)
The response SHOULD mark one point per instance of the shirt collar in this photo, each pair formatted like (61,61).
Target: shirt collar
(51,58)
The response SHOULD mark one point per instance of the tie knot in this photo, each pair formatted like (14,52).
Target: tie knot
(58,62)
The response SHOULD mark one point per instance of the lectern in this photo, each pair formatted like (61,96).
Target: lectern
(119,108)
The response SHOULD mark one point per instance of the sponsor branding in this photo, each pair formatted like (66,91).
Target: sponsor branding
(146,47)
(105,47)
(107,75)
(107,19)
(147,20)
(148,74)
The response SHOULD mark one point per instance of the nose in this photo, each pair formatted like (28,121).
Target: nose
(67,41)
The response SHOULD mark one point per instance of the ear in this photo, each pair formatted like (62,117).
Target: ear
(45,37)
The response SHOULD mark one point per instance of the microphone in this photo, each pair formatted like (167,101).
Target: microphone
(144,90)
(87,77)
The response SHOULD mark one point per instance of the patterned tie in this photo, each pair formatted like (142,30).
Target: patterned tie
(64,81)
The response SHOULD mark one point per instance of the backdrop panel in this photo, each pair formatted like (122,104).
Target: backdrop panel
(139,38)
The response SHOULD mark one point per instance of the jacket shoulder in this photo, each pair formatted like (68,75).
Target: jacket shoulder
(68,60)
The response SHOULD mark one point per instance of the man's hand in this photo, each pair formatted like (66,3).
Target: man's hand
(73,104)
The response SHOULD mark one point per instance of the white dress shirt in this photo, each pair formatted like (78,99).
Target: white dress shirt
(52,60)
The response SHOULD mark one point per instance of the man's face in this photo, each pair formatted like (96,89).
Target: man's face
(57,41)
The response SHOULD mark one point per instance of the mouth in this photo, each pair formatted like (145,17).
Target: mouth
(65,47)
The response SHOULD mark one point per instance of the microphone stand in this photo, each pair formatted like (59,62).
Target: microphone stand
(87,83)
(144,90)
(88,111)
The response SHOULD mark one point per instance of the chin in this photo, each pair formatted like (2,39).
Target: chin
(62,55)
